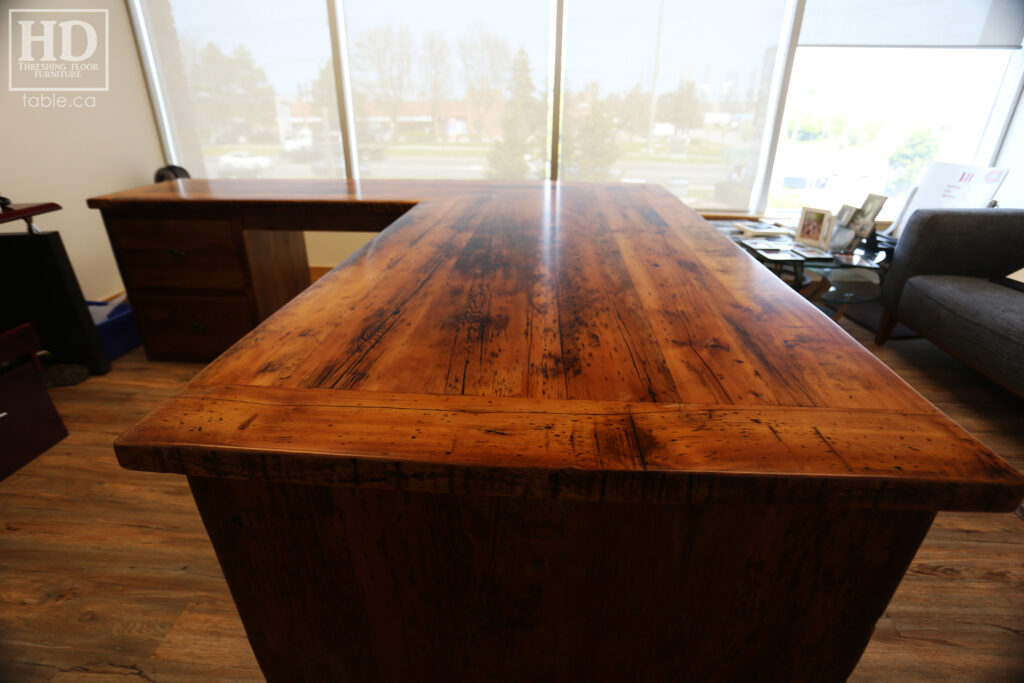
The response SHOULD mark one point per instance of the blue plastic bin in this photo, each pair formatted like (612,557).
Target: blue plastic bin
(116,325)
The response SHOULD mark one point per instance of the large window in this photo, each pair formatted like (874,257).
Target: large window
(245,87)
(449,89)
(654,96)
(869,120)
(718,102)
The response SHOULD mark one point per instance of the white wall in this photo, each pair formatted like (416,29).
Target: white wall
(328,249)
(68,155)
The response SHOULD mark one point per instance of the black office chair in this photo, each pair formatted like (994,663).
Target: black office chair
(169,172)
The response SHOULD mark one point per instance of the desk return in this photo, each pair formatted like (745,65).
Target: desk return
(205,261)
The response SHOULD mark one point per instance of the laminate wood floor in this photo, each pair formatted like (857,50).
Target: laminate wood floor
(107,574)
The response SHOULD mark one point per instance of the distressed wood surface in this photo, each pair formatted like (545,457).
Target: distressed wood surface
(626,349)
(583,450)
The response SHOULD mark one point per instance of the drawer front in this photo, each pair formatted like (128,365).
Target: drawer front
(202,235)
(194,328)
(182,268)
(178,254)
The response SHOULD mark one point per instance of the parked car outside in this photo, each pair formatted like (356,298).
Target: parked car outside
(243,163)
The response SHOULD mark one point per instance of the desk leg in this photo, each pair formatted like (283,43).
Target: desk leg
(342,583)
(278,267)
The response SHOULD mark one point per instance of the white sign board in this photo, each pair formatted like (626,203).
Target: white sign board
(952,186)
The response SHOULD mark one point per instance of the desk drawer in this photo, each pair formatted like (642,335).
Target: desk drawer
(188,254)
(204,235)
(182,268)
(194,328)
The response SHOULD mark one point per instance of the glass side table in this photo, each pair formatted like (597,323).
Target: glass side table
(844,278)
(842,287)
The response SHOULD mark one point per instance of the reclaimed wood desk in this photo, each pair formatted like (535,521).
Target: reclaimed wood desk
(560,433)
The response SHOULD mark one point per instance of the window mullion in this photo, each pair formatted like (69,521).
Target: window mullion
(776,108)
(342,82)
(157,95)
(557,77)
(1006,105)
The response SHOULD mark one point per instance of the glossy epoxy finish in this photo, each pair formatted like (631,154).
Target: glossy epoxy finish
(550,340)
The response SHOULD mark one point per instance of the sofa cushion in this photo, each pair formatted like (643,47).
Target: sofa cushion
(980,321)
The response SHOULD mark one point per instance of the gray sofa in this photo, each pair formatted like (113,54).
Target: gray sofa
(939,285)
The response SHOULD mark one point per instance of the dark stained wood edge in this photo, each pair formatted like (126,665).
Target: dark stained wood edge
(711,215)
(16,211)
(585,450)
(627,487)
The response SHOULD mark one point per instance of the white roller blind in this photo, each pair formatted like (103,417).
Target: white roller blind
(248,86)
(654,94)
(453,89)
(913,23)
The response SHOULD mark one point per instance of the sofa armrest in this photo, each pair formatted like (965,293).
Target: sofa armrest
(978,242)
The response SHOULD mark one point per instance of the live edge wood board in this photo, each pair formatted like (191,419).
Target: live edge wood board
(566,432)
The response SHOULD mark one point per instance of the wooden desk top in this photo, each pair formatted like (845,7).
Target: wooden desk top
(593,342)
(229,191)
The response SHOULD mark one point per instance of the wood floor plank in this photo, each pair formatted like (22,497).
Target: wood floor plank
(99,566)
(216,625)
(958,613)
(26,672)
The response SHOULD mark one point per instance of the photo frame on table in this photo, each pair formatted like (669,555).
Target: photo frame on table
(844,215)
(815,227)
(843,239)
(863,220)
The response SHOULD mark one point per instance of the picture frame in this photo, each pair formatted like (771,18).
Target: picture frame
(844,215)
(815,227)
(843,239)
(863,220)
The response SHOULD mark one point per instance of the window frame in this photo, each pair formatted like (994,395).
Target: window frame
(990,143)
